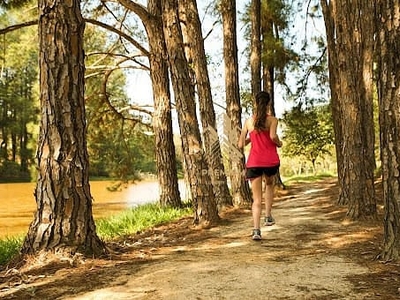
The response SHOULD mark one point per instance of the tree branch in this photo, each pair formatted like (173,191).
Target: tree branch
(113,109)
(144,51)
(140,10)
(18,26)
(120,33)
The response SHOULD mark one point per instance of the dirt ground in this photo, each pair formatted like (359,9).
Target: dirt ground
(312,252)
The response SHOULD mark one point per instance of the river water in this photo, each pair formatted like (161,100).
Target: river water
(17,203)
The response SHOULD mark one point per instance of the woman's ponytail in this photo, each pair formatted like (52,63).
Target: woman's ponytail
(262,101)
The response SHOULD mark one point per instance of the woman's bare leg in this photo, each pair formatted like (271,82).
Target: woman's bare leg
(269,194)
(256,188)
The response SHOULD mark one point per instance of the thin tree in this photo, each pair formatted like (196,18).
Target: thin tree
(195,46)
(239,187)
(63,220)
(274,55)
(203,198)
(255,46)
(389,119)
(162,119)
(18,107)
(270,35)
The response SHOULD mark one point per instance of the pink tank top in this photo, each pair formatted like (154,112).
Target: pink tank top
(263,151)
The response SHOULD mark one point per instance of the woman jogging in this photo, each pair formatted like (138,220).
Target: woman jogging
(263,160)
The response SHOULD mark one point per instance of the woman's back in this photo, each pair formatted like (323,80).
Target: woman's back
(267,125)
(263,151)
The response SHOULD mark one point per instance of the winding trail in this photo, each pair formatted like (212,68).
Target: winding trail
(311,253)
(293,261)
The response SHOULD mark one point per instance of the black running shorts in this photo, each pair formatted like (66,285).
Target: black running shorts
(260,171)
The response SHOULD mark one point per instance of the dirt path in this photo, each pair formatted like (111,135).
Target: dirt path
(311,253)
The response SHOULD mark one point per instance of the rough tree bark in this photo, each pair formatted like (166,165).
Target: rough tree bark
(63,220)
(203,198)
(388,20)
(239,187)
(162,119)
(255,46)
(268,70)
(352,46)
(328,10)
(197,56)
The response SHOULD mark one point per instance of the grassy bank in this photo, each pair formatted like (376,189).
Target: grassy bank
(138,219)
(125,223)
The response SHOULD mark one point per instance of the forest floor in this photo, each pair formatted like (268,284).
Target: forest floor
(312,252)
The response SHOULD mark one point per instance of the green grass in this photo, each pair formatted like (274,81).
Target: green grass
(138,219)
(9,247)
(128,222)
(306,178)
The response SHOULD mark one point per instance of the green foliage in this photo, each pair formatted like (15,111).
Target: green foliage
(276,54)
(9,248)
(308,132)
(138,219)
(18,97)
(13,3)
(246,101)
(120,151)
(118,147)
(276,51)
(120,142)
(299,166)
(117,143)
(11,172)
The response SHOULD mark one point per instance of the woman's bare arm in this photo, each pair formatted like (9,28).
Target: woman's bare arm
(272,132)
(242,139)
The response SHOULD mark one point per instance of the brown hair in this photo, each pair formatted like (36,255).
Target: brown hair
(262,101)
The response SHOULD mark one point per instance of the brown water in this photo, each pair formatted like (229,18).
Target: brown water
(17,203)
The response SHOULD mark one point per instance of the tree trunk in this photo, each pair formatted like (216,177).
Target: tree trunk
(268,70)
(200,183)
(388,21)
(353,49)
(239,187)
(269,83)
(162,119)
(14,146)
(255,46)
(24,151)
(268,77)
(330,28)
(210,135)
(63,220)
